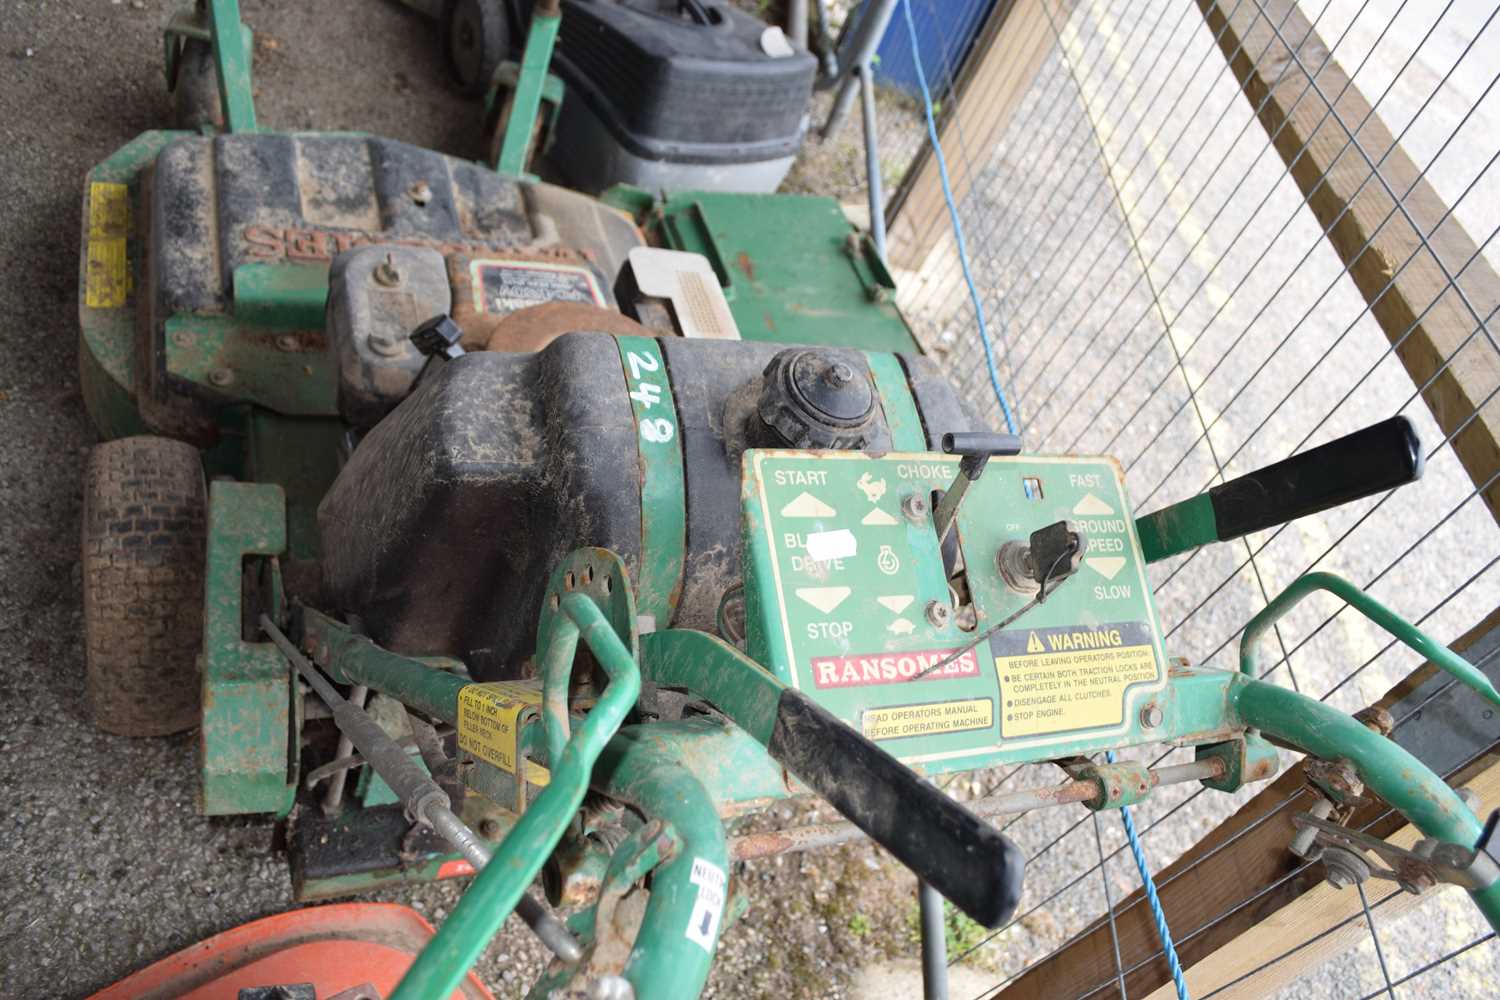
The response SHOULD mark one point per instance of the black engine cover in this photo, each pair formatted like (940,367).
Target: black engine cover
(442,529)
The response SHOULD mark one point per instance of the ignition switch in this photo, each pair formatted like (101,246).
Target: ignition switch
(1051,556)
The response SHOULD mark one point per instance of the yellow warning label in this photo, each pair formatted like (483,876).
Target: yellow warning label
(900,721)
(1034,644)
(106,276)
(490,717)
(1074,689)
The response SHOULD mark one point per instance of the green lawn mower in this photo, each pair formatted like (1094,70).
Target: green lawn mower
(484,528)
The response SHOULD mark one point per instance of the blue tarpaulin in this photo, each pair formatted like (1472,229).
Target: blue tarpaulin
(945,31)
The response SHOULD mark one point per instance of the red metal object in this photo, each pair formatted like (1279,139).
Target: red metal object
(332,947)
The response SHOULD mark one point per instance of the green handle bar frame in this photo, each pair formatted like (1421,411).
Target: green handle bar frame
(497,888)
(642,766)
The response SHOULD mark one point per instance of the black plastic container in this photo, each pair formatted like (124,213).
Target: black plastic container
(678,95)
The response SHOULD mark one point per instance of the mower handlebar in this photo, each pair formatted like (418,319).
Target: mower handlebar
(1369,461)
(976,867)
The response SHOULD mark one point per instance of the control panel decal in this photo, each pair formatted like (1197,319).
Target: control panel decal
(1058,680)
(849,598)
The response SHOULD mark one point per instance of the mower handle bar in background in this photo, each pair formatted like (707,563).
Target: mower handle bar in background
(1369,461)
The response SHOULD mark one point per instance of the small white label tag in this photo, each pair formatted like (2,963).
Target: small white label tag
(825,546)
(703,924)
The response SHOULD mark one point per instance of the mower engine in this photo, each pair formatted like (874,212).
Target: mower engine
(443,527)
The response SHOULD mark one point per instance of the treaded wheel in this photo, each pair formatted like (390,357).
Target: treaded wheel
(144,506)
(195,92)
(477,36)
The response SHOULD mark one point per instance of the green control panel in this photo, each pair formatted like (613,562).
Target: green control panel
(848,599)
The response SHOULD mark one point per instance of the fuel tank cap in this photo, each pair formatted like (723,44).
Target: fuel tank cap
(818,399)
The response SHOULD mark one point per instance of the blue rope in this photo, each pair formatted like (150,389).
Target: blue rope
(958,229)
(1162,930)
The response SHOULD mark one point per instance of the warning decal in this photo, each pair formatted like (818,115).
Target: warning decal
(106,276)
(490,717)
(503,286)
(899,721)
(703,922)
(1055,680)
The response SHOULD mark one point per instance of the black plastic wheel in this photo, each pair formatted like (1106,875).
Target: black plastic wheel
(478,39)
(195,91)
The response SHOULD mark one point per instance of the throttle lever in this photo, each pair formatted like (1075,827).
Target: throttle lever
(1378,458)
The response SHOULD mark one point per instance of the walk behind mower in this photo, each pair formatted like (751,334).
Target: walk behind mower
(484,528)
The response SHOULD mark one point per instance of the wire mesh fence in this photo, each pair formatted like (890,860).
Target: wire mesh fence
(1207,236)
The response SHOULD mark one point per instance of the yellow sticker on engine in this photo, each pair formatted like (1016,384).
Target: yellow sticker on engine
(490,717)
(899,721)
(106,274)
(1056,680)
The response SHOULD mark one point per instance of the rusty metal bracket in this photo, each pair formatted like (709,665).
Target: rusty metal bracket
(1246,759)
(1123,783)
(1338,780)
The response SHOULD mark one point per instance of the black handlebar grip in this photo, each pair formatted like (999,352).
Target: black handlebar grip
(981,443)
(966,859)
(1378,458)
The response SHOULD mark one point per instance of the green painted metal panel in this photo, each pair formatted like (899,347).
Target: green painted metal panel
(291,372)
(839,580)
(631,200)
(249,749)
(111,240)
(788,267)
(299,454)
(1182,526)
(527,98)
(663,491)
(232,46)
(281,295)
(901,414)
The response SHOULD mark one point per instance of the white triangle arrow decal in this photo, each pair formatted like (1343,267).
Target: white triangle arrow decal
(1106,566)
(897,603)
(1092,506)
(878,516)
(825,599)
(807,505)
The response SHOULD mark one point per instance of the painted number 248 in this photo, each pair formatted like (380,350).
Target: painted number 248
(657,430)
